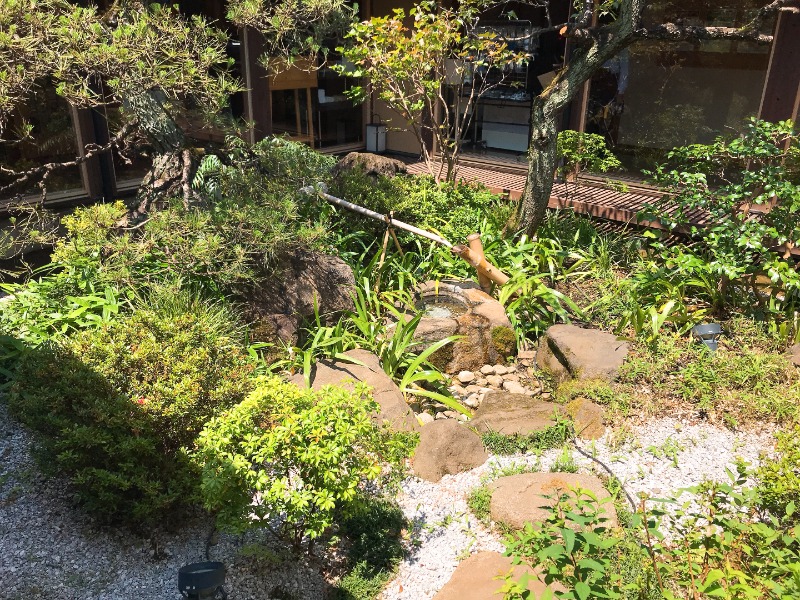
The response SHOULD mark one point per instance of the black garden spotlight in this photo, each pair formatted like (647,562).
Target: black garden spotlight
(708,333)
(202,580)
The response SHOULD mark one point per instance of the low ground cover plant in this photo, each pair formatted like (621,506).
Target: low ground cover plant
(722,544)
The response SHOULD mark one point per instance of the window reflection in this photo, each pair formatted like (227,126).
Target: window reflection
(658,95)
(51,140)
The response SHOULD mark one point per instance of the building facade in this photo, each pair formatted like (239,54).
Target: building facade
(652,97)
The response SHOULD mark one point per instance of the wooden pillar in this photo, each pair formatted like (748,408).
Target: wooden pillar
(781,97)
(257,95)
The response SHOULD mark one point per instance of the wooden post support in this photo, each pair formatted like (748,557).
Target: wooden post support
(476,247)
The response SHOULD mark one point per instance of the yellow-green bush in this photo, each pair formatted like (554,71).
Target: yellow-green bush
(115,408)
(290,458)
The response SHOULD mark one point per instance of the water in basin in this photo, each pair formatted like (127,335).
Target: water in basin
(441,308)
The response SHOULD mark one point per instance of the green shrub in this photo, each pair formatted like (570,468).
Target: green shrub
(293,456)
(779,477)
(455,210)
(747,188)
(115,408)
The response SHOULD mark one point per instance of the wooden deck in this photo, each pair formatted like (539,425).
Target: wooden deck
(585,197)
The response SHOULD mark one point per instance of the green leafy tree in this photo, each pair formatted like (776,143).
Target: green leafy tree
(164,69)
(407,66)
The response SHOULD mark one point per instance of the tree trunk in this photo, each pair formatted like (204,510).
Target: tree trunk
(173,165)
(545,110)
(541,166)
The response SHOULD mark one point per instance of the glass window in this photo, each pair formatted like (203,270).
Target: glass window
(500,119)
(657,95)
(338,120)
(51,140)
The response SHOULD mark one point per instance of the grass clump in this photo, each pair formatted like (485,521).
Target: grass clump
(538,441)
(737,383)
(479,501)
(779,476)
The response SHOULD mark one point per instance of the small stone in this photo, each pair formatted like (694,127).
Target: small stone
(457,390)
(523,355)
(425,418)
(487,369)
(462,417)
(495,381)
(481,381)
(473,389)
(451,414)
(466,376)
(500,370)
(546,396)
(440,416)
(513,387)
(511,377)
(472,401)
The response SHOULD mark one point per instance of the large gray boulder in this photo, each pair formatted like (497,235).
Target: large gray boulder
(446,448)
(480,577)
(372,164)
(568,351)
(393,408)
(512,414)
(302,280)
(520,499)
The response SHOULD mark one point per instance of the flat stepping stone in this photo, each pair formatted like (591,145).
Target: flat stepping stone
(446,448)
(480,576)
(512,414)
(569,351)
(520,499)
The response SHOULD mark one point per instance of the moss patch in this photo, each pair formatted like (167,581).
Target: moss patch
(504,341)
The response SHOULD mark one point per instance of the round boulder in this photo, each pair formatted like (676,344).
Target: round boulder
(446,448)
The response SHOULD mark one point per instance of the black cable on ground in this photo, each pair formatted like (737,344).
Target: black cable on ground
(608,469)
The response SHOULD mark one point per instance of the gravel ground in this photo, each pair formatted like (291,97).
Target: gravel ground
(51,551)
(445,532)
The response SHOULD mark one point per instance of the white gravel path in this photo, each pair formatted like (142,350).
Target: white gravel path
(447,532)
(49,551)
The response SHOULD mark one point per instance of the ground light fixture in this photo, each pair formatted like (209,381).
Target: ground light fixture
(202,580)
(708,333)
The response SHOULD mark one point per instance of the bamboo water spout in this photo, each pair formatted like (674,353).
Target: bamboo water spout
(473,256)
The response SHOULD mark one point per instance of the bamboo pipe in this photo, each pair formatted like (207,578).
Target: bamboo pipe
(476,259)
(319,190)
(476,247)
(481,264)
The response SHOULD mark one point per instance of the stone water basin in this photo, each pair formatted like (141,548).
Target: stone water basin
(462,308)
